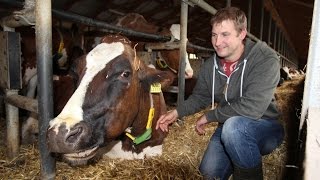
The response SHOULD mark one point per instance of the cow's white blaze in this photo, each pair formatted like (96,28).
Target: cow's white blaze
(97,59)
(116,152)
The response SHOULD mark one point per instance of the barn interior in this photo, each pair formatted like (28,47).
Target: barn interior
(284,24)
(289,21)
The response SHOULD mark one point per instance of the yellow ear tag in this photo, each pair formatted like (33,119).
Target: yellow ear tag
(155,88)
(61,46)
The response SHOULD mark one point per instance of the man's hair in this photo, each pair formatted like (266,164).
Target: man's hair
(231,13)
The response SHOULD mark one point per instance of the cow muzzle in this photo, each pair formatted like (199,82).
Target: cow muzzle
(69,140)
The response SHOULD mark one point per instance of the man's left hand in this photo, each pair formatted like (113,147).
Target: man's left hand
(200,125)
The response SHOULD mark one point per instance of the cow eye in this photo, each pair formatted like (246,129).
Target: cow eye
(125,74)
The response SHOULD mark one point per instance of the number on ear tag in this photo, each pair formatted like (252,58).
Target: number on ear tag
(155,88)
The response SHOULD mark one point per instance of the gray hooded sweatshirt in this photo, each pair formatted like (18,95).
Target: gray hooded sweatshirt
(248,91)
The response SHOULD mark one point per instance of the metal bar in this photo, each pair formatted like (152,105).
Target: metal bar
(108,27)
(45,92)
(275,36)
(279,41)
(173,45)
(183,51)
(249,15)
(204,6)
(12,121)
(269,29)
(261,20)
(228,3)
(23,102)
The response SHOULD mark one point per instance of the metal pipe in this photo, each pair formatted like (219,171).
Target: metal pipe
(45,92)
(22,102)
(275,36)
(12,120)
(228,3)
(174,45)
(199,47)
(108,27)
(204,6)
(183,51)
(261,20)
(269,29)
(249,15)
(279,41)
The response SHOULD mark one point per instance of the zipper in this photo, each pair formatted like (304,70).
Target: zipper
(225,89)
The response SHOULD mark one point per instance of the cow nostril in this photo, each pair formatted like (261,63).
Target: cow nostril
(74,135)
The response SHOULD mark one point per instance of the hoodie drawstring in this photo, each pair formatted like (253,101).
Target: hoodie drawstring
(213,78)
(241,83)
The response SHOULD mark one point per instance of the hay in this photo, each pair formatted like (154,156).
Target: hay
(183,150)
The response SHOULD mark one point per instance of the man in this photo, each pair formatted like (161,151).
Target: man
(241,79)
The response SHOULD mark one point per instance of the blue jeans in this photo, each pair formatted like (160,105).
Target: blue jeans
(239,141)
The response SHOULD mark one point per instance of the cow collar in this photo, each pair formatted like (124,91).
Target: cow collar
(154,88)
(161,62)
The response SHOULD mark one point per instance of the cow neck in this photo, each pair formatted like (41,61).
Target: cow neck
(154,88)
(161,62)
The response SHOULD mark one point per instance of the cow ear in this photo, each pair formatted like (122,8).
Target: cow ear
(150,76)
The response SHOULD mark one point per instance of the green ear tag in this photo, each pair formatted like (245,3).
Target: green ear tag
(155,88)
(144,137)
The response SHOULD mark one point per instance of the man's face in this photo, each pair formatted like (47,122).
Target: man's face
(227,41)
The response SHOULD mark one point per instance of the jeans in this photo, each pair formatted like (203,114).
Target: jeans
(239,141)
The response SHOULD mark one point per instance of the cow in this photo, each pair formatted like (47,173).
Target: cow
(166,59)
(287,73)
(112,107)
(65,50)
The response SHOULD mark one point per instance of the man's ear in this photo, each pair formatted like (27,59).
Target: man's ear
(243,34)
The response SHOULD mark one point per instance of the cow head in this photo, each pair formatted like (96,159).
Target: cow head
(112,89)
(170,57)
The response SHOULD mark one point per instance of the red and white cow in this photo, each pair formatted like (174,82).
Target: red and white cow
(112,99)
(166,59)
(170,58)
(65,50)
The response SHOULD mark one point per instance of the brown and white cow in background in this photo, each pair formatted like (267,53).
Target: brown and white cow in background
(137,22)
(287,73)
(65,50)
(113,96)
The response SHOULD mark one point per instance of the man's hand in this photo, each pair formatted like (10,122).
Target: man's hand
(166,119)
(200,125)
